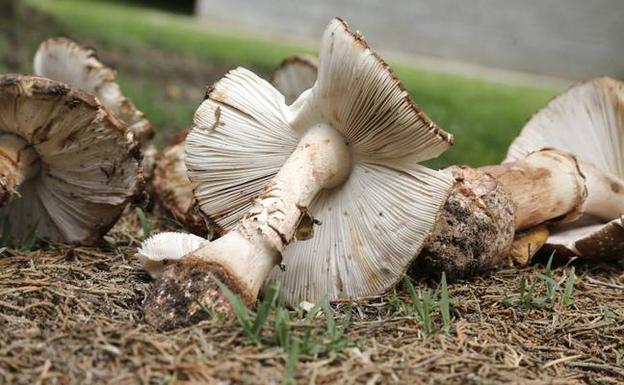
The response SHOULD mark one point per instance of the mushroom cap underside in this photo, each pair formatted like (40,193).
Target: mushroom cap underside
(587,120)
(89,162)
(373,225)
(64,60)
(173,188)
(590,238)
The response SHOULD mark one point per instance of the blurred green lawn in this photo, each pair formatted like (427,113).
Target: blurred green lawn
(483,116)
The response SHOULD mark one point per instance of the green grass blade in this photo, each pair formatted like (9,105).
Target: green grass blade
(291,364)
(264,309)
(31,239)
(444,304)
(241,311)
(145,224)
(318,306)
(329,318)
(569,288)
(283,335)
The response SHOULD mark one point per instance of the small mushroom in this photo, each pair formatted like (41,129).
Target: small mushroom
(68,166)
(343,158)
(294,75)
(160,249)
(66,61)
(587,121)
(174,190)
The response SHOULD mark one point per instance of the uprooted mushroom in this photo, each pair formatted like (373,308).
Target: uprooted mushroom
(341,162)
(66,61)
(67,166)
(587,121)
(172,187)
(566,168)
(352,253)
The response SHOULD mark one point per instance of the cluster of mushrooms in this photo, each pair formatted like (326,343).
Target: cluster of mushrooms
(313,181)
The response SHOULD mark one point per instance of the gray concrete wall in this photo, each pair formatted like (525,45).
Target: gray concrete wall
(564,38)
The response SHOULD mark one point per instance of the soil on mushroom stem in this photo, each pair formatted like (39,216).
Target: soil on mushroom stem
(73,315)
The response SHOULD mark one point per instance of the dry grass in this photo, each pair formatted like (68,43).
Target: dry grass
(73,315)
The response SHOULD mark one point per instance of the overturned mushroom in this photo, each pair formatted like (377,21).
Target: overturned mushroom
(66,61)
(339,165)
(174,190)
(567,162)
(587,121)
(68,166)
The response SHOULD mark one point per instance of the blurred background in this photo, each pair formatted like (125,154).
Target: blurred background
(478,68)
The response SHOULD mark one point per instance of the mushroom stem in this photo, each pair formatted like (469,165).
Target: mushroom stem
(545,185)
(605,192)
(243,258)
(18,162)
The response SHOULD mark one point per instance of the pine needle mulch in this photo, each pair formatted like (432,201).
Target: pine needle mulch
(73,316)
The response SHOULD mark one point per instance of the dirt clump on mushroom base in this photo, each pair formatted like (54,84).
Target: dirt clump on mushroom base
(473,232)
(74,315)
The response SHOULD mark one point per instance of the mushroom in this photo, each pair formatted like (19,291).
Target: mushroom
(68,166)
(174,190)
(338,166)
(66,61)
(587,121)
(294,75)
(160,249)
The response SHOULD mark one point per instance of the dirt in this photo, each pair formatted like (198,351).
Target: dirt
(74,315)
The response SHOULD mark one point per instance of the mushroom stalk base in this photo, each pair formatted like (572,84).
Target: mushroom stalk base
(244,257)
(475,230)
(18,163)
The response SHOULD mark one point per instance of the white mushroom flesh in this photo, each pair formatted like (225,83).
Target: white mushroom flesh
(373,218)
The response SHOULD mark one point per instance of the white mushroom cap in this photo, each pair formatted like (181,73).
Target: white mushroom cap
(171,184)
(371,226)
(88,161)
(587,121)
(294,75)
(156,251)
(66,61)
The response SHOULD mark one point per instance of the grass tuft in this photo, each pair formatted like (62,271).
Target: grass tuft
(433,311)
(296,336)
(543,290)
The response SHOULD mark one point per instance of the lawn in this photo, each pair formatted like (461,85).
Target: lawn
(73,315)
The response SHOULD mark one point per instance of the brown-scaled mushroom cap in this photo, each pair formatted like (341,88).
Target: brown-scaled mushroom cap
(588,121)
(73,163)
(66,61)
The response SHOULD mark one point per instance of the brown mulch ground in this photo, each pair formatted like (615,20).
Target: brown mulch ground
(73,315)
